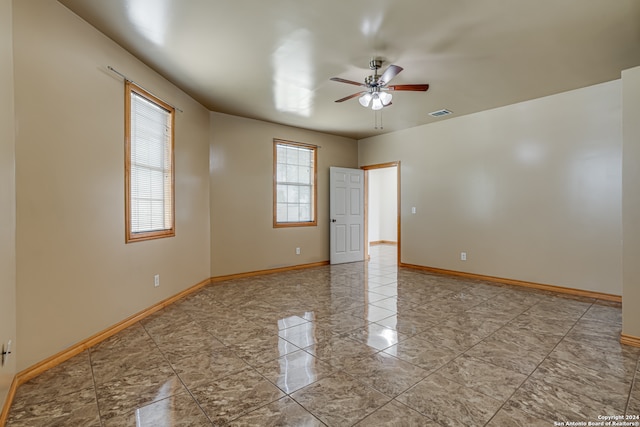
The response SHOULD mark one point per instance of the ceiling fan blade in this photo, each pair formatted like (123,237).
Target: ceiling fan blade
(346,98)
(417,88)
(388,74)
(351,82)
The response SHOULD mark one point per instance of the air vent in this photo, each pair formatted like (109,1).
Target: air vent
(439,113)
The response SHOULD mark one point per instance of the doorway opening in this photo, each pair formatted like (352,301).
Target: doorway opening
(382,212)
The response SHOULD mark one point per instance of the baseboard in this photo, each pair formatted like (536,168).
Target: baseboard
(541,286)
(216,279)
(78,348)
(4,415)
(382,242)
(630,340)
(50,362)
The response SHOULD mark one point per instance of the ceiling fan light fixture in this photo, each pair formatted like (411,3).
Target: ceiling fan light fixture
(377,102)
(385,97)
(365,99)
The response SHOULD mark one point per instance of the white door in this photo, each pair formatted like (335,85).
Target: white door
(346,213)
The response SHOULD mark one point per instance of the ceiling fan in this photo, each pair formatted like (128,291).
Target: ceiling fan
(377,92)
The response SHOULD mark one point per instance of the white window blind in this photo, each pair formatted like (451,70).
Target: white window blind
(295,183)
(150,167)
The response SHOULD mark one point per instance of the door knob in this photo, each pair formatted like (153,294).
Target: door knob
(333,220)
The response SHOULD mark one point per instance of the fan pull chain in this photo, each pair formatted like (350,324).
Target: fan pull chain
(375,119)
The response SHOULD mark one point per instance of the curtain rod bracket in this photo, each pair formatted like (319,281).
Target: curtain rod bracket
(110,68)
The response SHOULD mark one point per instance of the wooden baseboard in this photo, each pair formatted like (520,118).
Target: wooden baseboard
(630,340)
(50,362)
(4,415)
(382,242)
(541,286)
(268,271)
(78,348)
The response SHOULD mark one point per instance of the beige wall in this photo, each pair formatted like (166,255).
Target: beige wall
(530,191)
(631,202)
(242,235)
(7,198)
(75,274)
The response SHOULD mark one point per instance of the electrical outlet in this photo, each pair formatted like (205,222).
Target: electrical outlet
(463,256)
(297,251)
(156,280)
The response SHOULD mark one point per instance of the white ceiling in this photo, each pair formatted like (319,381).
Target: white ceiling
(272,60)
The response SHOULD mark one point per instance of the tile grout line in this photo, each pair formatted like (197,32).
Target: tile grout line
(341,370)
(253,368)
(174,371)
(633,383)
(440,367)
(463,353)
(488,336)
(95,386)
(537,366)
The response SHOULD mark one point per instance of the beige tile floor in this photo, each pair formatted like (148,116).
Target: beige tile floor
(363,344)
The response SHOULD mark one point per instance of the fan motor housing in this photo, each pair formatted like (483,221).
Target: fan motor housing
(375,64)
(371,81)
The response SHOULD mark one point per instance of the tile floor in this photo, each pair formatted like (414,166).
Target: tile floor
(363,344)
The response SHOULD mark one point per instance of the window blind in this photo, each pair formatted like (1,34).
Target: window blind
(150,166)
(294,183)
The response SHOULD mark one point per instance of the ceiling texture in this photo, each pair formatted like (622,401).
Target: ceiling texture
(272,60)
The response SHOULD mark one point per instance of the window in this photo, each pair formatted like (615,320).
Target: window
(294,184)
(148,166)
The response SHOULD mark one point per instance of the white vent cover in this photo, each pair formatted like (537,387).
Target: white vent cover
(439,113)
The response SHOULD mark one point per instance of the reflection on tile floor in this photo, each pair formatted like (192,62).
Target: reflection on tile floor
(364,344)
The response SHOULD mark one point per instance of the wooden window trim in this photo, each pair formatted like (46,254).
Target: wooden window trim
(131,236)
(313,223)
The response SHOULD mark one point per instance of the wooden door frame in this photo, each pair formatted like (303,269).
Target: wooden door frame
(366,169)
